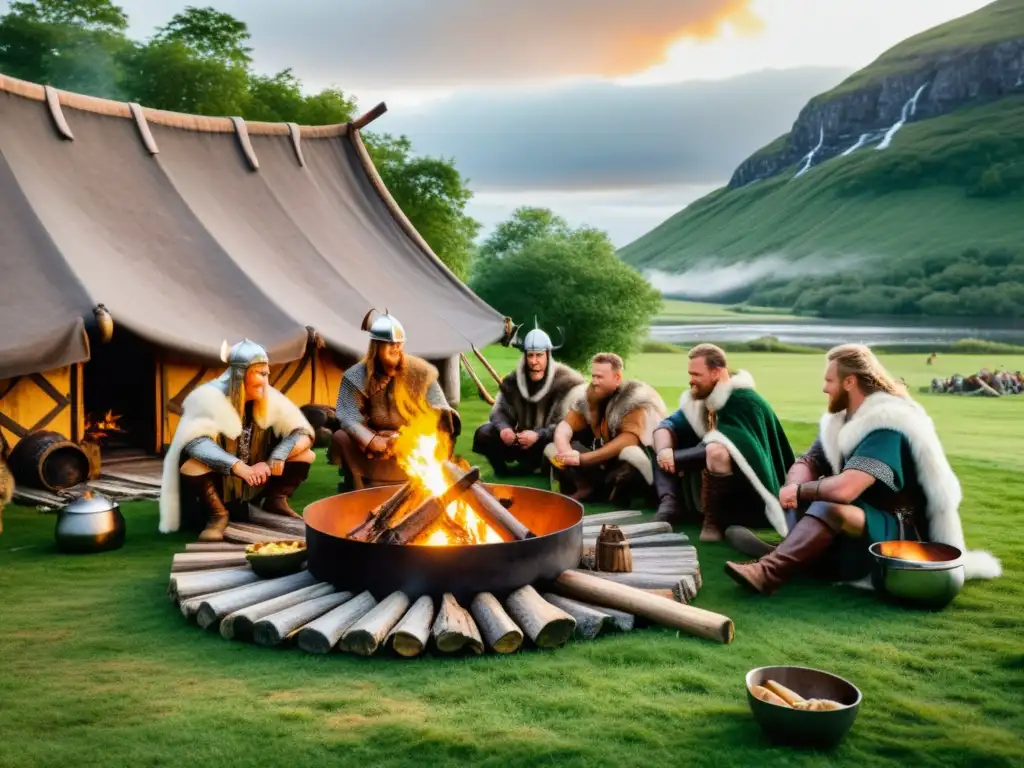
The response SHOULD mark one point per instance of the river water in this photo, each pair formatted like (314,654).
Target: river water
(884,331)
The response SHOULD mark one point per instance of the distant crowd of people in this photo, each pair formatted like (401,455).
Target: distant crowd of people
(985,383)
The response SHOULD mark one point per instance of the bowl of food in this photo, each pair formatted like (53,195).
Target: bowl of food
(922,574)
(276,558)
(802,707)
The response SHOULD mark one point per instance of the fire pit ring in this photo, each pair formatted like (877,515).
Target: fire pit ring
(463,570)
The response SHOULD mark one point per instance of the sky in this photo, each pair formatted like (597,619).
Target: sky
(614,113)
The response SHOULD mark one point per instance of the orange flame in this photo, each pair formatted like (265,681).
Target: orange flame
(101,428)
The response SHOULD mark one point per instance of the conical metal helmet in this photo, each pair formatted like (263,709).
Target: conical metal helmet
(538,340)
(244,354)
(385,327)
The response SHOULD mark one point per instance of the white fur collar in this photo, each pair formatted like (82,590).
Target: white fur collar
(840,438)
(696,410)
(523,384)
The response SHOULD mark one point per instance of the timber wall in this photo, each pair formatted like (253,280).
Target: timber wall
(50,400)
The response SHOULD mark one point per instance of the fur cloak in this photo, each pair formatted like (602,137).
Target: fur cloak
(207,412)
(942,491)
(772,449)
(543,409)
(630,396)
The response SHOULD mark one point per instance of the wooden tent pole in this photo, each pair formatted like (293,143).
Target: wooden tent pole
(365,119)
(487,365)
(479,384)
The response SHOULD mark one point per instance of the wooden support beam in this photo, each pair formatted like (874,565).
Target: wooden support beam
(476,379)
(368,117)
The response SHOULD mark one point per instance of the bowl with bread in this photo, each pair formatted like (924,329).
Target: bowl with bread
(270,559)
(802,707)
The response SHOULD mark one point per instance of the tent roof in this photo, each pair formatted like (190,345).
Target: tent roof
(195,230)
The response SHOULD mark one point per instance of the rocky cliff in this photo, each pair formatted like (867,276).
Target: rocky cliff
(848,120)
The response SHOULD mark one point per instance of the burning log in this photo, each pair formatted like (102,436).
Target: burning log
(501,633)
(454,629)
(547,625)
(427,513)
(186,585)
(612,552)
(218,606)
(278,627)
(322,635)
(410,635)
(687,618)
(489,508)
(239,624)
(380,518)
(367,634)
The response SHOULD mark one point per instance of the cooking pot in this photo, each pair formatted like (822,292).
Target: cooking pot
(90,523)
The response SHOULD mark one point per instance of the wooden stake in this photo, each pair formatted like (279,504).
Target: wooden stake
(687,618)
(476,380)
(239,624)
(487,365)
(410,635)
(322,635)
(496,626)
(366,635)
(546,625)
(215,608)
(278,627)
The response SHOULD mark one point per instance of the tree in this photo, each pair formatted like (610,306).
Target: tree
(573,280)
(209,34)
(432,194)
(523,226)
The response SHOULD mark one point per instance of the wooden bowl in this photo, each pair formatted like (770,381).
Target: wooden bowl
(270,566)
(803,728)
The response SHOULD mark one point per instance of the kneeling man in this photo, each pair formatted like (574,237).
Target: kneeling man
(877,472)
(531,401)
(724,446)
(239,442)
(601,447)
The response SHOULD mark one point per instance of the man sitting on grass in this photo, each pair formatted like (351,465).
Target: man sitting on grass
(877,472)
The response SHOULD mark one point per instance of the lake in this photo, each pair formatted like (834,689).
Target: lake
(826,333)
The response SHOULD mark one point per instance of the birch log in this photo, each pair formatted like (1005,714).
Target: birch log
(545,624)
(239,623)
(214,546)
(590,619)
(322,635)
(293,526)
(410,635)
(278,627)
(454,628)
(204,561)
(191,584)
(495,625)
(366,635)
(219,606)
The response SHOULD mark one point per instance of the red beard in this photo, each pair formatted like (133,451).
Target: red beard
(839,403)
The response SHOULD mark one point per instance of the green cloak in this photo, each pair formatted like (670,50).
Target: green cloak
(748,428)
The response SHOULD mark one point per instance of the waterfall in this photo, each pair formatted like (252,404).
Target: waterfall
(809,157)
(908,110)
(860,143)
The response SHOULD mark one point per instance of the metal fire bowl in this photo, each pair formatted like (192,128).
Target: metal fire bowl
(930,584)
(463,570)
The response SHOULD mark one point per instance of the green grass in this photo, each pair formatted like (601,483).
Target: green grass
(100,669)
(679,311)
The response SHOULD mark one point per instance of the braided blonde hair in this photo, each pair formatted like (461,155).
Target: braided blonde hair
(858,360)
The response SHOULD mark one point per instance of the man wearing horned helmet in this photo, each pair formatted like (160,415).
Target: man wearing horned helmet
(531,401)
(379,395)
(239,442)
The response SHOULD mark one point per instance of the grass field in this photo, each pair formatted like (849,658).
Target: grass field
(100,669)
(679,311)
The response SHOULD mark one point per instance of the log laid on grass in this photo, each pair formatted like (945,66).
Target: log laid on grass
(214,546)
(495,625)
(454,628)
(293,526)
(366,635)
(642,542)
(597,591)
(611,517)
(189,606)
(216,608)
(590,620)
(410,635)
(241,533)
(629,532)
(681,590)
(239,623)
(545,624)
(277,627)
(322,635)
(203,561)
(192,584)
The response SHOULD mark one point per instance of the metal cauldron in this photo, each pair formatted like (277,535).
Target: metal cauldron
(91,523)
(921,574)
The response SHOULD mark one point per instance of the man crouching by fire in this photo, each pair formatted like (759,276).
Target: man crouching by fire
(378,396)
(239,441)
(602,446)
(531,401)
(877,472)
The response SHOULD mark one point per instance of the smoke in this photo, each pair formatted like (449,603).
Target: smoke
(708,280)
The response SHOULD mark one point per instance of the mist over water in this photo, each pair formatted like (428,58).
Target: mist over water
(708,279)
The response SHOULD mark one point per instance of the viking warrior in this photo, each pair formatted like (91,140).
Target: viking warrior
(531,402)
(723,453)
(601,448)
(239,442)
(377,397)
(877,472)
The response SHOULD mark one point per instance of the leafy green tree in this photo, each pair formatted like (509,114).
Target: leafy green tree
(327,107)
(209,34)
(523,226)
(576,281)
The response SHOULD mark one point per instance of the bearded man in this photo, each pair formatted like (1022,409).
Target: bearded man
(601,448)
(239,442)
(724,451)
(531,401)
(377,397)
(877,472)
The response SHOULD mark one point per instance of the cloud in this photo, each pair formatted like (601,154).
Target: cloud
(710,278)
(606,136)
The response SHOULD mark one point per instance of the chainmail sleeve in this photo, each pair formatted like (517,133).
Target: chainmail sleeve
(284,448)
(349,408)
(815,459)
(206,450)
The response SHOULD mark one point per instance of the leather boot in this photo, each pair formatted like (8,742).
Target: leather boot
(746,542)
(624,481)
(806,542)
(714,494)
(666,487)
(204,487)
(281,487)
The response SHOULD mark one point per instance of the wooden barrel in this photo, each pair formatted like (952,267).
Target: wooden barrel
(48,460)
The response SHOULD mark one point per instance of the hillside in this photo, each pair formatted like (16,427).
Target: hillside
(947,187)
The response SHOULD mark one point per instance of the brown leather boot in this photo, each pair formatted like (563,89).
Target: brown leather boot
(714,494)
(805,543)
(666,487)
(746,542)
(204,487)
(281,487)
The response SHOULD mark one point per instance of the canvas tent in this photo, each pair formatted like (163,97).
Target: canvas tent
(191,231)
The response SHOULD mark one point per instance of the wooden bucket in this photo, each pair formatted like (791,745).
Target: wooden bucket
(48,460)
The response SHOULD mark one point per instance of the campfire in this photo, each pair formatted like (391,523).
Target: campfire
(442,504)
(101,428)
